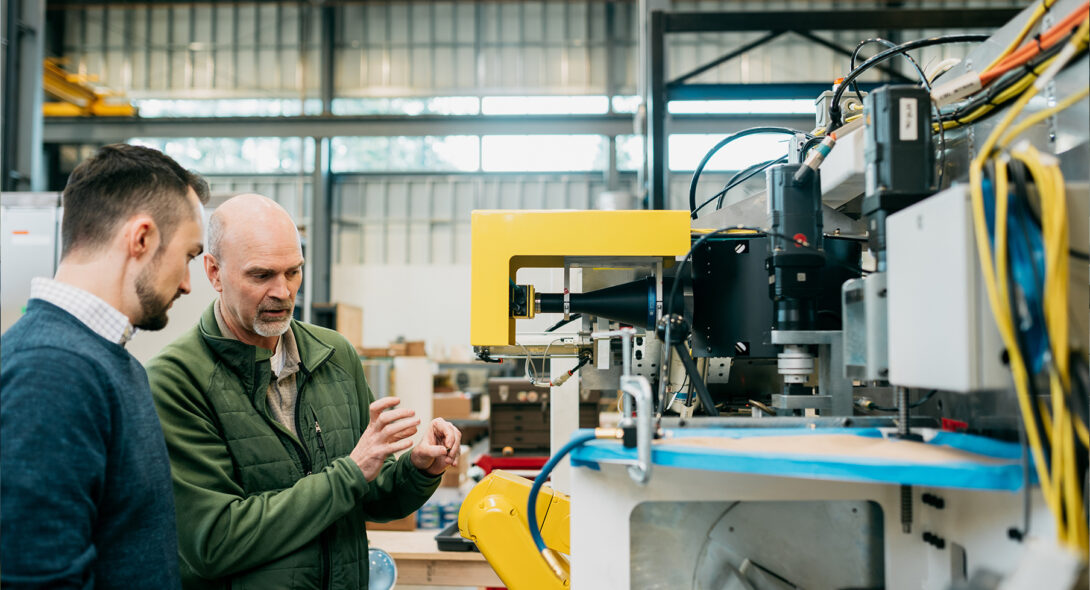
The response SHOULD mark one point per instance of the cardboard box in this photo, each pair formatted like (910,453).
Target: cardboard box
(344,318)
(452,406)
(416,348)
(373,352)
(402,524)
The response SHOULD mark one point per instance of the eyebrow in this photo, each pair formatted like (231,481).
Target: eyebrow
(257,270)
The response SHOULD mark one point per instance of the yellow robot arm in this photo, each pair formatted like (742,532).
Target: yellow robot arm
(493,516)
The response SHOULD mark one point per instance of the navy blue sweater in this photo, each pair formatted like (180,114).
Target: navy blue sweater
(85,492)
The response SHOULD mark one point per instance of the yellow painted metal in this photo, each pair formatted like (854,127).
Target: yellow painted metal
(493,515)
(62,109)
(504,241)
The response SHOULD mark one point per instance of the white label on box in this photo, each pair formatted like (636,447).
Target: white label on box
(907,120)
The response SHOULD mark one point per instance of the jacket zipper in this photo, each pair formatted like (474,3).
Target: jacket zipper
(308,464)
(318,433)
(304,456)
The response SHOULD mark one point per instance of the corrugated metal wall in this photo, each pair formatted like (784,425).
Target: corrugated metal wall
(424,220)
(440,48)
(421,219)
(270,49)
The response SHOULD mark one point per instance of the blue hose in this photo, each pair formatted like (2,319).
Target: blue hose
(531,502)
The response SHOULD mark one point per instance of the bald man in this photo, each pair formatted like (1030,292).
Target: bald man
(278,450)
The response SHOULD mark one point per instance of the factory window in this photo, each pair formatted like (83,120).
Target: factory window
(233,107)
(686,150)
(626,104)
(230,155)
(452,153)
(545,105)
(629,152)
(439,105)
(543,153)
(803,106)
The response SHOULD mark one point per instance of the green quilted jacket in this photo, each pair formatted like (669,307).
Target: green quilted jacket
(258,507)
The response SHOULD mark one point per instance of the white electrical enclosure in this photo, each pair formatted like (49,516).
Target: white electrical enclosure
(941,331)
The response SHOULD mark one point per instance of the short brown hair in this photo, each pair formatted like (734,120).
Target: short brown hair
(118,182)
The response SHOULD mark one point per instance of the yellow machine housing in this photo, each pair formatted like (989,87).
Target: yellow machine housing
(493,516)
(503,241)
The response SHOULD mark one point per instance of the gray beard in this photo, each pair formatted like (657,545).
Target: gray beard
(272,329)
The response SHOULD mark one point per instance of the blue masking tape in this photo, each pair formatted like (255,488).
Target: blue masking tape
(1004,475)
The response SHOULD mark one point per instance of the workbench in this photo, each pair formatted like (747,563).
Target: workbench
(420,562)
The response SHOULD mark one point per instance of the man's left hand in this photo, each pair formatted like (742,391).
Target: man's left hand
(438,449)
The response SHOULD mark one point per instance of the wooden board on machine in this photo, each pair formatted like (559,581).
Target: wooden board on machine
(519,415)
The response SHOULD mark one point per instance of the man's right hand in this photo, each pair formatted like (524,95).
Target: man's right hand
(388,433)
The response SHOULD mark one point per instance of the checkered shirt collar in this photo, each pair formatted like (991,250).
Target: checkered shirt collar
(92,311)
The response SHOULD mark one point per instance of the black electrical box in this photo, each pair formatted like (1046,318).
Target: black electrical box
(899,154)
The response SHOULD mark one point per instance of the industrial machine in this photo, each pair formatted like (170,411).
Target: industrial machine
(871,375)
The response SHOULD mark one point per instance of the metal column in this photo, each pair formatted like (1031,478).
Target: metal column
(319,234)
(319,238)
(656,115)
(24,50)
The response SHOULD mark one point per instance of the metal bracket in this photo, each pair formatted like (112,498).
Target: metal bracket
(640,390)
(802,402)
(831,379)
(567,291)
(658,290)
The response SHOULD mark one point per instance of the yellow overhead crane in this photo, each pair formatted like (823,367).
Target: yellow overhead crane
(76,97)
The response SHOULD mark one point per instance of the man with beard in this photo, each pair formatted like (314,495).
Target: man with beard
(85,493)
(278,450)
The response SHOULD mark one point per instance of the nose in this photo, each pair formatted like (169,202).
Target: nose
(280,289)
(184,287)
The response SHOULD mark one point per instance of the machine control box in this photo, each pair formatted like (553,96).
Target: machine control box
(941,331)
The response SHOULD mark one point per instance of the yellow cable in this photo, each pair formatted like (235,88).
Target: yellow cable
(1060,488)
(1054,228)
(1006,95)
(1003,295)
(1036,16)
(1002,318)
(1046,417)
(1082,432)
(1080,40)
(1065,427)
(1046,187)
(1075,506)
(1039,116)
(1061,270)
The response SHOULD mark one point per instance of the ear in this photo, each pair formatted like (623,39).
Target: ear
(142,236)
(212,269)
